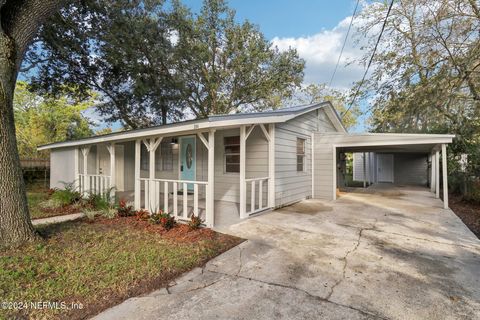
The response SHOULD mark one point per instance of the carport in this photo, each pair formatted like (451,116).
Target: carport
(383,155)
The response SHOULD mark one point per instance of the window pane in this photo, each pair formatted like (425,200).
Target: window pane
(300,146)
(300,163)
(232,140)
(232,159)
(232,168)
(232,149)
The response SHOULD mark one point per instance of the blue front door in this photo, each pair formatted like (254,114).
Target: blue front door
(187,160)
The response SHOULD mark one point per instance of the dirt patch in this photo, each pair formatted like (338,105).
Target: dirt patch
(307,207)
(468,212)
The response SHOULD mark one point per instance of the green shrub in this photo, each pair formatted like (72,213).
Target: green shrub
(66,196)
(124,210)
(165,219)
(195,222)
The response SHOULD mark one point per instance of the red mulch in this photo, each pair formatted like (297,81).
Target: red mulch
(68,209)
(180,233)
(468,212)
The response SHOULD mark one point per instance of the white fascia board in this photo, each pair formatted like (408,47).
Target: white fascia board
(169,130)
(433,140)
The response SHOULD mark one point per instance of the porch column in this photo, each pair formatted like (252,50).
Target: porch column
(210,197)
(432,173)
(364,171)
(76,172)
(152,146)
(113,179)
(445,176)
(437,174)
(86,179)
(271,166)
(243,186)
(137,190)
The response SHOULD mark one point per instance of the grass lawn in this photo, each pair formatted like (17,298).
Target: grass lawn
(100,264)
(36,194)
(34,198)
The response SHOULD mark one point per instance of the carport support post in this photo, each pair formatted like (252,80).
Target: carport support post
(271,166)
(437,174)
(445,176)
(432,173)
(243,186)
(210,203)
(137,174)
(364,171)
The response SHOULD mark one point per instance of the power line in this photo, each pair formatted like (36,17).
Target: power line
(344,42)
(369,62)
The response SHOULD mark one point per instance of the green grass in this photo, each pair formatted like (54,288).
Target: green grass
(34,198)
(97,265)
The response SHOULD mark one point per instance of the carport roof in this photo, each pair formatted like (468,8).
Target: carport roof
(391,142)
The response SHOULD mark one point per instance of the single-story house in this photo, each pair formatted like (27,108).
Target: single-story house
(228,167)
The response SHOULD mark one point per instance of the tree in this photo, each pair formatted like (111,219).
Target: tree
(19,21)
(426,74)
(228,67)
(42,120)
(315,93)
(121,49)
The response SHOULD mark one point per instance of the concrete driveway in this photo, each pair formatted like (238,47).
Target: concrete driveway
(390,255)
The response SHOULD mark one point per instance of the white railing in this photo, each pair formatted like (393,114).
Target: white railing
(93,183)
(258,196)
(171,192)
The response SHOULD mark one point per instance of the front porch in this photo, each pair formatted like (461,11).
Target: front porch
(221,175)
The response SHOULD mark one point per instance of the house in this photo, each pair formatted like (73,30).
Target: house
(227,167)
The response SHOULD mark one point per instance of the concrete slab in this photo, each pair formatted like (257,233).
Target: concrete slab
(376,255)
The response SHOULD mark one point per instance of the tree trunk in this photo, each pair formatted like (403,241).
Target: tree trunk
(15,224)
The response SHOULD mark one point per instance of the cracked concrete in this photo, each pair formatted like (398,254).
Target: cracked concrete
(365,256)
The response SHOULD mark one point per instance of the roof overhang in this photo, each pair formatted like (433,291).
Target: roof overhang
(392,142)
(203,125)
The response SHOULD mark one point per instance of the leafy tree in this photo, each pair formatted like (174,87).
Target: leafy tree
(45,120)
(427,71)
(227,67)
(19,22)
(315,93)
(121,49)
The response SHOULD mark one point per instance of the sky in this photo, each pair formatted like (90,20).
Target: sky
(316,28)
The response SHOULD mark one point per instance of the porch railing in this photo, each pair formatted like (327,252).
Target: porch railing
(258,196)
(165,194)
(93,183)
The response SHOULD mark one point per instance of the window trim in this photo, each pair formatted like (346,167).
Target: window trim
(225,154)
(303,154)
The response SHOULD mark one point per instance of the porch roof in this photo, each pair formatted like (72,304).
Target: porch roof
(211,122)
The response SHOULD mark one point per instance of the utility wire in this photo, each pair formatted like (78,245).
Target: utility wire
(344,42)
(369,62)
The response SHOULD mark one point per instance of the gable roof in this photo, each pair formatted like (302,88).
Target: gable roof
(211,122)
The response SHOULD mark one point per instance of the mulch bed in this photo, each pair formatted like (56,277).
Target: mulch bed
(180,232)
(468,212)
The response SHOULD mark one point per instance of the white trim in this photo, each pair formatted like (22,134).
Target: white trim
(271,166)
(437,174)
(312,147)
(334,148)
(203,139)
(250,131)
(210,203)
(243,186)
(137,191)
(445,176)
(434,140)
(76,169)
(265,132)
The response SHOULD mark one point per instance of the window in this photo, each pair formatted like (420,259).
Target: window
(144,157)
(300,154)
(164,157)
(232,154)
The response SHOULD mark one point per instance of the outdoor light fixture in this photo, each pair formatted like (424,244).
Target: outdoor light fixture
(174,141)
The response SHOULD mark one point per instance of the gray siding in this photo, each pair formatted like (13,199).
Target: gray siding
(62,167)
(410,169)
(291,185)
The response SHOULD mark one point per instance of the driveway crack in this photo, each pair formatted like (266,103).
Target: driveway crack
(345,258)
